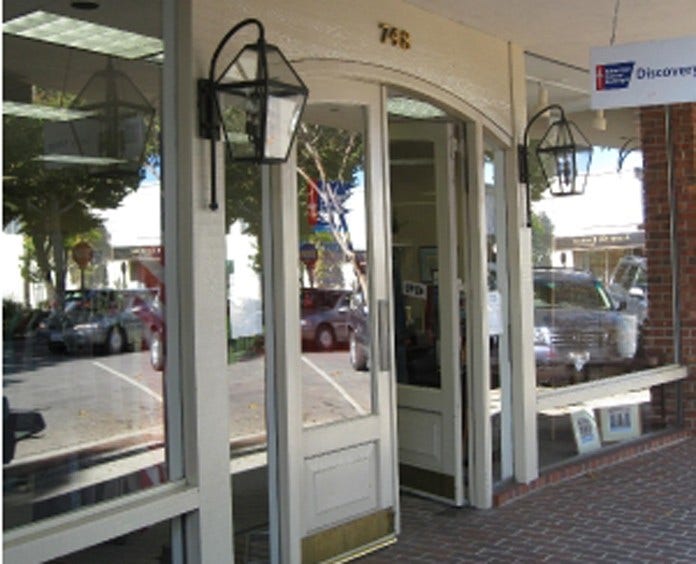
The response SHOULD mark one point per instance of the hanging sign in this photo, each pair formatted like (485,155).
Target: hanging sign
(644,74)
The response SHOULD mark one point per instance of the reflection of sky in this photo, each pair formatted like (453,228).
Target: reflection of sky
(355,217)
(612,202)
(137,220)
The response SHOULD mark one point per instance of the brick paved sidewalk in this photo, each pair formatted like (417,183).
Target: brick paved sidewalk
(640,510)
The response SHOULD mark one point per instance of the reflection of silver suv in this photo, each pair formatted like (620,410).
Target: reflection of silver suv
(577,325)
(324,317)
(629,285)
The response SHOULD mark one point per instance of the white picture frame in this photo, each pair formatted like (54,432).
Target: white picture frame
(619,423)
(585,430)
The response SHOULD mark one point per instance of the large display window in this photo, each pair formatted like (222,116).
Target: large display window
(593,312)
(84,302)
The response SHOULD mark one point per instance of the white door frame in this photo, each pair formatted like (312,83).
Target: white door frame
(430,419)
(303,461)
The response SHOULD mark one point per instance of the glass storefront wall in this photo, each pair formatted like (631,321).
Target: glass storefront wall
(592,311)
(333,270)
(83,291)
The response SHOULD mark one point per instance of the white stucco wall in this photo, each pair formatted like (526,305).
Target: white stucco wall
(469,65)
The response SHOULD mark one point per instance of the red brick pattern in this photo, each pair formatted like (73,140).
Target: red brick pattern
(659,338)
(641,510)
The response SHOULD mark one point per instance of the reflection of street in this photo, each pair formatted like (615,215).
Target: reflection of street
(90,403)
(332,391)
(104,421)
(85,401)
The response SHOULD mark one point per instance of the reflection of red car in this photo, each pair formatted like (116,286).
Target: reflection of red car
(151,314)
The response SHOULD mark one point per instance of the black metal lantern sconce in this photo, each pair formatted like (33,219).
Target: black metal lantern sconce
(257,100)
(559,156)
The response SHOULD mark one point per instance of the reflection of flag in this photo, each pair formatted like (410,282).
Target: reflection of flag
(312,203)
(328,198)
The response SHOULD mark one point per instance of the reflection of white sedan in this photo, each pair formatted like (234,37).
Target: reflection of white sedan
(324,317)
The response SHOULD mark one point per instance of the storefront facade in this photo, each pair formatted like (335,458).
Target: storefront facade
(265,421)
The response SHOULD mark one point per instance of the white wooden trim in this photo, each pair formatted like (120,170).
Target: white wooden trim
(449,289)
(81,529)
(548,398)
(388,385)
(478,354)
(341,435)
(283,372)
(504,369)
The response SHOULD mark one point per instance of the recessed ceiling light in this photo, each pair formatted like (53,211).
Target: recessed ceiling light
(71,32)
(37,111)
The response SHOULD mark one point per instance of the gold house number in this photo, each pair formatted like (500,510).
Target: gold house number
(397,37)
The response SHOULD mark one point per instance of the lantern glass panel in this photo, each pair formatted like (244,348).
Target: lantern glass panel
(240,116)
(244,67)
(282,114)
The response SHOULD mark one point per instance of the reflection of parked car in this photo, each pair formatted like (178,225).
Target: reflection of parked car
(358,332)
(577,325)
(629,285)
(324,317)
(106,321)
(151,315)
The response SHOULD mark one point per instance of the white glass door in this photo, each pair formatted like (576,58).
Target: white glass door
(428,298)
(337,469)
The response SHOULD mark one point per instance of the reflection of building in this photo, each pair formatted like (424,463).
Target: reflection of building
(137,266)
(598,253)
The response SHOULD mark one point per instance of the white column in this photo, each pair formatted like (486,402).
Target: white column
(283,375)
(521,329)
(201,354)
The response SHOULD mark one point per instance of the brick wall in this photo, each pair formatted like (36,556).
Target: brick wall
(659,341)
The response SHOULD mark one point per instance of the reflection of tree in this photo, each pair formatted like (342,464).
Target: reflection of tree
(542,239)
(542,226)
(52,206)
(328,160)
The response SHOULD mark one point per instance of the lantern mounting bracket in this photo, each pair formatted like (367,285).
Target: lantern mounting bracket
(256,102)
(558,146)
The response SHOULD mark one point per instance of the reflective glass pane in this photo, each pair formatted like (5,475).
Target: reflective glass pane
(246,329)
(334,308)
(246,360)
(592,309)
(83,290)
(415,252)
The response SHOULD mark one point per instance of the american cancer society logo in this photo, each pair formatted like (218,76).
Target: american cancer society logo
(614,76)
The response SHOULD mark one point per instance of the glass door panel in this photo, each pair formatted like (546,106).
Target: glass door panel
(427,299)
(334,313)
